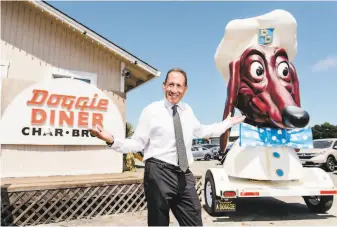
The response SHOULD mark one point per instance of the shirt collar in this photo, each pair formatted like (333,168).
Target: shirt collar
(169,105)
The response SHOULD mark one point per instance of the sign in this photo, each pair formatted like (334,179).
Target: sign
(266,36)
(197,141)
(225,205)
(59,112)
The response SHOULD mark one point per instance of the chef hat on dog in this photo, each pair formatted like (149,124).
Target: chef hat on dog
(276,28)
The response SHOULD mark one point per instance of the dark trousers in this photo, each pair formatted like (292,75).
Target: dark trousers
(167,187)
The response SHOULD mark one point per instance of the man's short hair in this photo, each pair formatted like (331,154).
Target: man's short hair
(176,70)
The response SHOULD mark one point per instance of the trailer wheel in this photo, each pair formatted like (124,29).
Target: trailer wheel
(319,204)
(209,193)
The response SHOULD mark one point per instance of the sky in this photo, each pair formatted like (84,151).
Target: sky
(186,35)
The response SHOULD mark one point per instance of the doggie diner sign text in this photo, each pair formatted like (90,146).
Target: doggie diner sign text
(59,112)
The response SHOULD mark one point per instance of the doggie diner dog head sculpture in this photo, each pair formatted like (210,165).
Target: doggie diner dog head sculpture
(255,57)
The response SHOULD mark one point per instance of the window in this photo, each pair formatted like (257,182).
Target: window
(60,76)
(84,80)
(4,69)
(75,78)
(335,145)
(322,143)
(86,77)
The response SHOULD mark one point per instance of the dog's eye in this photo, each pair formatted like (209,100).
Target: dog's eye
(256,69)
(283,69)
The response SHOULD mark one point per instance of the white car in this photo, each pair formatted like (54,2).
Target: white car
(201,153)
(324,154)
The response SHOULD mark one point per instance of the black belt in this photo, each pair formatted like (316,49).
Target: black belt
(165,164)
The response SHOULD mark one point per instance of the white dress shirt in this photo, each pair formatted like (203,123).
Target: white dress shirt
(155,132)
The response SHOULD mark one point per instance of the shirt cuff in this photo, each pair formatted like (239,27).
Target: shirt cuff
(223,126)
(117,144)
(226,124)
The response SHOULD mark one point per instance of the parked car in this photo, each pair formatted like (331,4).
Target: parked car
(215,150)
(222,154)
(210,146)
(201,153)
(324,154)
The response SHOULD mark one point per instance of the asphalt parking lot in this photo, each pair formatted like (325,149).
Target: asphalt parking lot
(284,211)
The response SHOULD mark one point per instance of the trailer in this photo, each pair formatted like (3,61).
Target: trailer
(222,186)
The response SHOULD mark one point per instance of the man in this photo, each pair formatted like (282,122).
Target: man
(165,131)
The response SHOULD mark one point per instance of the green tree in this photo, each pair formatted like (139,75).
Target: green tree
(129,158)
(325,130)
(128,130)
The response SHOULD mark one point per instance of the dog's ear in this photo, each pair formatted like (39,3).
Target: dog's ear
(296,92)
(294,79)
(232,94)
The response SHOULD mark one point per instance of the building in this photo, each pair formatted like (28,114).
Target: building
(40,45)
(234,135)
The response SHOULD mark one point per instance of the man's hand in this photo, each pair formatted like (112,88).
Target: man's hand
(236,119)
(101,134)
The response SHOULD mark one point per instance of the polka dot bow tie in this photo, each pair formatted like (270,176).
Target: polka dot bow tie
(251,136)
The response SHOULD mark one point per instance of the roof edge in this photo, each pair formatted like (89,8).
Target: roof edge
(95,36)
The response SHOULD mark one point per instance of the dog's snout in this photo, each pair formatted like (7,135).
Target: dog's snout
(295,117)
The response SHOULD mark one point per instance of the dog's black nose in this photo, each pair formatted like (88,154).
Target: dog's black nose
(295,117)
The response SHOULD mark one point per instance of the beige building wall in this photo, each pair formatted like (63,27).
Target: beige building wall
(33,41)
(35,45)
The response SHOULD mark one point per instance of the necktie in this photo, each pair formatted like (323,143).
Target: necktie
(181,149)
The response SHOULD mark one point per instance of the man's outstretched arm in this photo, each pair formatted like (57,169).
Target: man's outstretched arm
(216,129)
(137,142)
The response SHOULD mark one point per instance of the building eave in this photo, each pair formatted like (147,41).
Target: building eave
(86,32)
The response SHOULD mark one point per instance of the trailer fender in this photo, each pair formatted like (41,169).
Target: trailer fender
(318,175)
(221,180)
